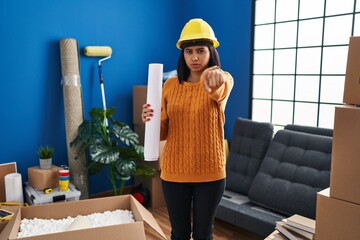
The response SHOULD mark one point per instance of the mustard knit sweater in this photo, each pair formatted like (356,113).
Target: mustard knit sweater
(192,123)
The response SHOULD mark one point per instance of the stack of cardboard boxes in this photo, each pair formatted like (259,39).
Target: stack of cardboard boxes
(43,178)
(43,187)
(338,207)
(152,184)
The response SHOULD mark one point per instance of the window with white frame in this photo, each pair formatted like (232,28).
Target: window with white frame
(299,59)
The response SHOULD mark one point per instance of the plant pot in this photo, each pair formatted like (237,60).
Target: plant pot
(45,163)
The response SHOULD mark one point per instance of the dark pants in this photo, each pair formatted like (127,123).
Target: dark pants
(204,199)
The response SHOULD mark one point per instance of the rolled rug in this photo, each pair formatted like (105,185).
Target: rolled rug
(74,111)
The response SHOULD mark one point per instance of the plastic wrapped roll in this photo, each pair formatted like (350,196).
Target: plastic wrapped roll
(74,111)
(13,188)
(152,128)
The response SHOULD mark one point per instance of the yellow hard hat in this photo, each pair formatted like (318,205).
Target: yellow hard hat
(197,29)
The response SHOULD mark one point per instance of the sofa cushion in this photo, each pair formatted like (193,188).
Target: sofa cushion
(308,129)
(248,216)
(296,166)
(248,146)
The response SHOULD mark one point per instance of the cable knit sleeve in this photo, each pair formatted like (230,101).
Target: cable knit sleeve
(221,94)
(164,116)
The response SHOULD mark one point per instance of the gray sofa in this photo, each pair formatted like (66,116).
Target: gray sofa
(273,177)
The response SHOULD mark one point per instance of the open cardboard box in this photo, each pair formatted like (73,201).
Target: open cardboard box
(9,207)
(128,231)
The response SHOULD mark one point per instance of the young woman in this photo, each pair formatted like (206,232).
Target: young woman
(192,123)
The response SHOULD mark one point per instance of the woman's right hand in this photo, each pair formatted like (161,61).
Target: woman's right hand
(146,113)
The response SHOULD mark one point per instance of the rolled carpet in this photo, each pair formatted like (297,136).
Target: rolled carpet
(74,111)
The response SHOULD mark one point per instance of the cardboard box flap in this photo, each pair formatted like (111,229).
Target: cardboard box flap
(12,207)
(7,231)
(325,192)
(5,169)
(146,216)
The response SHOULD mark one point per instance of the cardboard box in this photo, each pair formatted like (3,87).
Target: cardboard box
(336,219)
(2,225)
(129,231)
(154,184)
(345,162)
(140,130)
(155,189)
(5,169)
(11,208)
(156,164)
(139,99)
(227,149)
(43,178)
(352,77)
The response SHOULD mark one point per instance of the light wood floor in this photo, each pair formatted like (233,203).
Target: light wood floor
(222,230)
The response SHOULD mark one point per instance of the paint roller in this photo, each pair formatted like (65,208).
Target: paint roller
(100,51)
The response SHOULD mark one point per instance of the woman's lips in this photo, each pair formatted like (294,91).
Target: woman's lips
(195,66)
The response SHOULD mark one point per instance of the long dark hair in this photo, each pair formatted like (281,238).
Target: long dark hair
(183,70)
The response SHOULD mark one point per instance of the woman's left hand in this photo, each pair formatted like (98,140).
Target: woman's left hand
(213,77)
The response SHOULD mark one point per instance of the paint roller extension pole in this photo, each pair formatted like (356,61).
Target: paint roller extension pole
(103,89)
(102,83)
(100,51)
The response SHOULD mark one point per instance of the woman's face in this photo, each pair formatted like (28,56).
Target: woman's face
(197,58)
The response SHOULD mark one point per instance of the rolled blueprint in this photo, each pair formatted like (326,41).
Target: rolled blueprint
(13,188)
(152,127)
(74,111)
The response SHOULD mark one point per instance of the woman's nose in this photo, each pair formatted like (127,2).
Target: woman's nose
(195,58)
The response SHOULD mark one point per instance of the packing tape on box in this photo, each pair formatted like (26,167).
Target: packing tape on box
(13,188)
(152,127)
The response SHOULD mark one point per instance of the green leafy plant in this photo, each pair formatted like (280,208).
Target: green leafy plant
(113,143)
(45,152)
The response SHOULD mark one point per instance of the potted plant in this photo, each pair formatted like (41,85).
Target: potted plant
(113,143)
(45,154)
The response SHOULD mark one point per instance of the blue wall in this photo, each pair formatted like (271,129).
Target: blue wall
(139,32)
(231,22)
